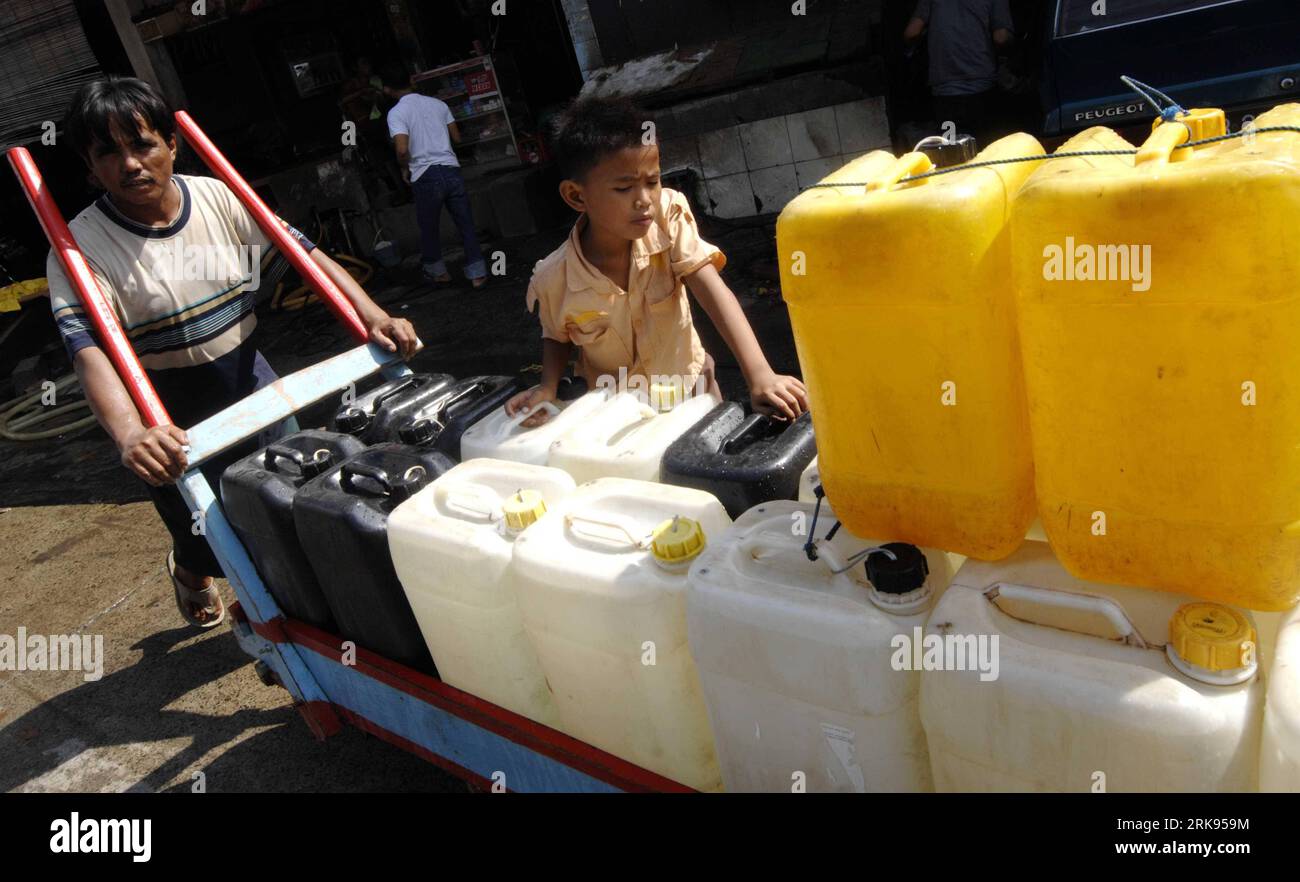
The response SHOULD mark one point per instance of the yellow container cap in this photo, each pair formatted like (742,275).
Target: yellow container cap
(523,509)
(665,396)
(1211,636)
(678,539)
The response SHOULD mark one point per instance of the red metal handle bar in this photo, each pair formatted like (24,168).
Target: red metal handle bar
(315,277)
(83,281)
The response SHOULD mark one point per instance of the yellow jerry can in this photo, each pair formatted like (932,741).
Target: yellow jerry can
(903,317)
(1159,315)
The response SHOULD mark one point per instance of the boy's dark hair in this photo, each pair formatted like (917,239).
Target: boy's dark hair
(590,129)
(98,106)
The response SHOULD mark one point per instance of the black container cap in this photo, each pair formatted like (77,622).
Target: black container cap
(945,154)
(419,432)
(571,388)
(351,420)
(317,463)
(906,572)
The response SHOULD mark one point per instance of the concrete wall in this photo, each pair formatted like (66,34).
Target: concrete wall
(757,167)
(583,33)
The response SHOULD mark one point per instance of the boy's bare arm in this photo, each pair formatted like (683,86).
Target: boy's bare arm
(555,358)
(153,454)
(768,390)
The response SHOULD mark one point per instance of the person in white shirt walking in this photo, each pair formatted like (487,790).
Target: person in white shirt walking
(423,129)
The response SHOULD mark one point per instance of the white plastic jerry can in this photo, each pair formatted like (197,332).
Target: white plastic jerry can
(809,481)
(601,582)
(452,545)
(1034,680)
(499,436)
(1279,761)
(797,657)
(626,437)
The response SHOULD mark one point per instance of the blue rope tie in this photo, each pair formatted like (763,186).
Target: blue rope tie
(1171,109)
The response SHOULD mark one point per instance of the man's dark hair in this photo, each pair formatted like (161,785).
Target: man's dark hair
(396,78)
(590,129)
(115,101)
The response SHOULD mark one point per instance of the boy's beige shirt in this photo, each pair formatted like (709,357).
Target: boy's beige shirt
(646,329)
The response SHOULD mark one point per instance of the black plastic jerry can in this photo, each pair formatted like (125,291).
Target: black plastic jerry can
(741,457)
(257,493)
(440,422)
(374,417)
(342,522)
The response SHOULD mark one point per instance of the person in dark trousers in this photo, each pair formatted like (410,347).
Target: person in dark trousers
(150,240)
(360,98)
(423,130)
(963,39)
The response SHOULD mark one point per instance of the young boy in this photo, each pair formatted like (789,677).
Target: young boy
(616,289)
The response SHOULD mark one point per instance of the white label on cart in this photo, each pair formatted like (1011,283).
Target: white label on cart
(841,761)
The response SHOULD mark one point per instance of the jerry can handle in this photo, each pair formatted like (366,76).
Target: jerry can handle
(460,498)
(282,452)
(1091,603)
(511,424)
(318,460)
(460,396)
(744,434)
(905,166)
(373,473)
(379,399)
(572,520)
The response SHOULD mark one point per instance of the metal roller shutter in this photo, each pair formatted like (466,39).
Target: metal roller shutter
(44,57)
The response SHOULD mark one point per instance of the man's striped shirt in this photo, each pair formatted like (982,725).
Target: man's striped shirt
(179,291)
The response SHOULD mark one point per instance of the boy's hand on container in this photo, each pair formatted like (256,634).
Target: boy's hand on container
(394,333)
(527,401)
(778,395)
(156,454)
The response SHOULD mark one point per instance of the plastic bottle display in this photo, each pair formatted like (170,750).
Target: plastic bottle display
(601,582)
(1156,299)
(906,333)
(797,661)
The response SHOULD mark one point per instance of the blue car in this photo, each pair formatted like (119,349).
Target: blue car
(1240,55)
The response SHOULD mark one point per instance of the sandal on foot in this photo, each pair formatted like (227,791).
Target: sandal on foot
(209,598)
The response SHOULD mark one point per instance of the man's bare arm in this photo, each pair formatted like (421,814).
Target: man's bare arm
(153,454)
(402,144)
(915,28)
(392,333)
